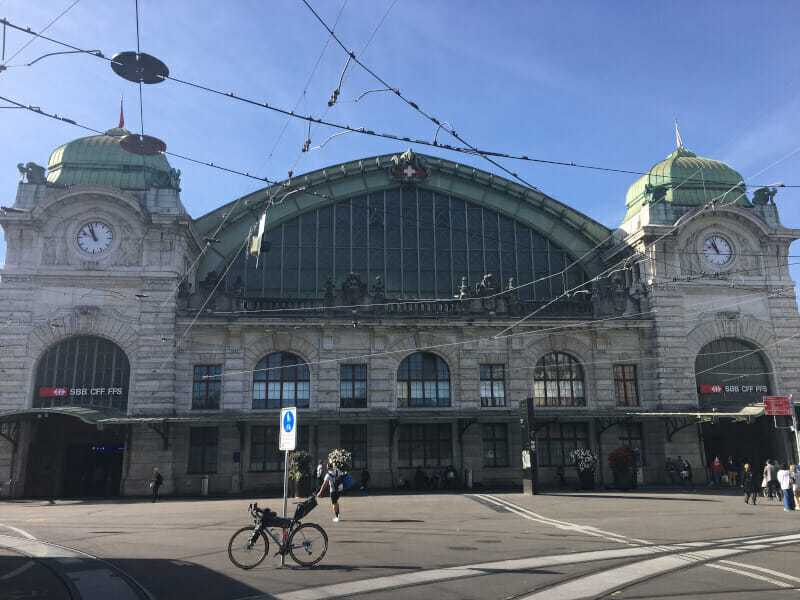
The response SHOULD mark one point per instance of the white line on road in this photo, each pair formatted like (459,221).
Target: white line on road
(564,525)
(19,531)
(751,575)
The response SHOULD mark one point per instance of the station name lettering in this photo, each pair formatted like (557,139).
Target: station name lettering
(95,391)
(745,388)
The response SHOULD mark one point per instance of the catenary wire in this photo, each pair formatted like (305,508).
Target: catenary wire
(37,35)
(365,131)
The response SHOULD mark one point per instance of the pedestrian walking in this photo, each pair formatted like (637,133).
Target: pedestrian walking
(156,482)
(749,484)
(364,478)
(796,489)
(672,472)
(786,479)
(771,478)
(686,475)
(333,479)
(320,473)
(732,467)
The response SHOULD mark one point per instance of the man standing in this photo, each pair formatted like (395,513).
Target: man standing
(732,467)
(749,485)
(156,482)
(716,471)
(771,478)
(320,475)
(786,479)
(333,481)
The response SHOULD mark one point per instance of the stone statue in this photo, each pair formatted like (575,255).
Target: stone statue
(175,178)
(463,289)
(35,173)
(764,195)
(330,289)
(487,286)
(377,287)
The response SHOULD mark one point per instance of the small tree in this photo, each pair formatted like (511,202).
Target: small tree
(299,464)
(622,458)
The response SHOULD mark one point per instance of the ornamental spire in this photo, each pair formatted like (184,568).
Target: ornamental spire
(121,116)
(678,139)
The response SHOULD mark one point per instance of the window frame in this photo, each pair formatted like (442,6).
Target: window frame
(270,447)
(622,384)
(262,377)
(421,436)
(492,401)
(355,439)
(500,458)
(630,433)
(411,385)
(204,443)
(543,387)
(353,401)
(569,436)
(205,382)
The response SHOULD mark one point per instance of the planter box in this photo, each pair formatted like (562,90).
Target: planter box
(586,480)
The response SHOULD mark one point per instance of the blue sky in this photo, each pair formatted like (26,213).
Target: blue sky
(587,82)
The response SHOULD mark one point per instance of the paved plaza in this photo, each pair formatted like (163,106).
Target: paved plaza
(481,545)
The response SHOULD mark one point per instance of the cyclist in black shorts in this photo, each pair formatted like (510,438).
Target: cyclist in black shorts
(333,481)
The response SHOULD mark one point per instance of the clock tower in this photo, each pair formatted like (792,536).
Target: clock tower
(709,255)
(97,247)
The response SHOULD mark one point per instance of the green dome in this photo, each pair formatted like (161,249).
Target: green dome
(100,160)
(684,179)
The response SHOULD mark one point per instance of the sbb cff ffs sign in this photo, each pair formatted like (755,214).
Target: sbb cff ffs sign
(778,405)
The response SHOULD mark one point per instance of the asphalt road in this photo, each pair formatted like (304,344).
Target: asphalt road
(479,545)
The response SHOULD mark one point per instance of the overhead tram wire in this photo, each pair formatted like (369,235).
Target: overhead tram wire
(38,35)
(308,118)
(343,78)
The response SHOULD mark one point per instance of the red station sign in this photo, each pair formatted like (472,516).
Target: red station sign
(778,405)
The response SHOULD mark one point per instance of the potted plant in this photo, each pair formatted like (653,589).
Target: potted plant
(585,462)
(299,473)
(622,462)
(340,459)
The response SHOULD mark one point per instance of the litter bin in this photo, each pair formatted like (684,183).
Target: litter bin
(468,478)
(204,486)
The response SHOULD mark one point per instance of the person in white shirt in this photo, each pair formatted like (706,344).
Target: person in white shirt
(786,480)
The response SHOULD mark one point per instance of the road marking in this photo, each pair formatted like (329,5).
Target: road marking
(564,525)
(762,570)
(34,520)
(752,575)
(598,584)
(433,575)
(19,531)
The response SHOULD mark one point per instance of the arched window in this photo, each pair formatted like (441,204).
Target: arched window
(281,380)
(558,381)
(731,372)
(83,371)
(423,379)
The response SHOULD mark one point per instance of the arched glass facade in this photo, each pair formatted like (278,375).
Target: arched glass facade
(737,367)
(419,242)
(83,371)
(558,381)
(281,380)
(423,379)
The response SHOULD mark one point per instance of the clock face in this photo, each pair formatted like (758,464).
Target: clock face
(717,250)
(95,237)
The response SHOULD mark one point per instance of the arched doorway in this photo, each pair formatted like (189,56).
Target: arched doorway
(730,374)
(68,457)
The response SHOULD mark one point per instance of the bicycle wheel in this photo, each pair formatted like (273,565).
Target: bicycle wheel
(247,549)
(308,544)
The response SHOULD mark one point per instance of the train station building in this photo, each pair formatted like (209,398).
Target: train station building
(405,304)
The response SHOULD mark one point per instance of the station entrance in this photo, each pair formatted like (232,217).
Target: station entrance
(68,458)
(746,442)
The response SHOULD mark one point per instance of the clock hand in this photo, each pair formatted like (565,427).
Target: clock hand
(94,237)
(714,244)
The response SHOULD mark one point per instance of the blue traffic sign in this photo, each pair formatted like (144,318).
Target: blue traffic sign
(288,422)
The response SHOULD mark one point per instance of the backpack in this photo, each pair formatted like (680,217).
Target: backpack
(337,485)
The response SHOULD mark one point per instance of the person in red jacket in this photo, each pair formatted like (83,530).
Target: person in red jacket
(716,471)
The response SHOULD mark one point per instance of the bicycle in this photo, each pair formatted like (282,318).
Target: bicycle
(306,543)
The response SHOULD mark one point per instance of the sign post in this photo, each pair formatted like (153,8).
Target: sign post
(530,467)
(287,440)
(783,405)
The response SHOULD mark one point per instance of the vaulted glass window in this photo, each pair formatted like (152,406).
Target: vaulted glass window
(83,371)
(423,379)
(419,242)
(281,380)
